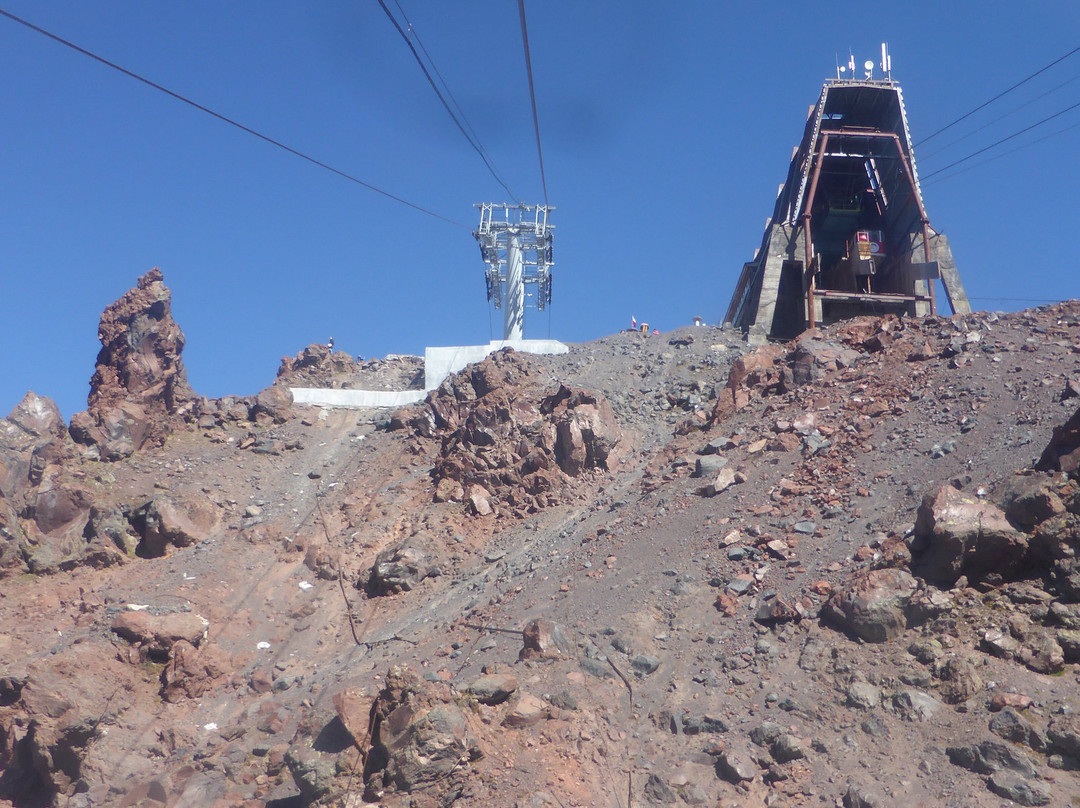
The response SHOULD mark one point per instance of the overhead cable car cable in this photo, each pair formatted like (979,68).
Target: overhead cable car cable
(472,142)
(1002,140)
(416,34)
(532,95)
(988,124)
(1002,94)
(1004,154)
(224,118)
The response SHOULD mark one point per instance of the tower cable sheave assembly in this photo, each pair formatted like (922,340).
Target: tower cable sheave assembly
(515,243)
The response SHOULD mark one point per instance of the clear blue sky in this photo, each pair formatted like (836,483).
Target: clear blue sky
(666,127)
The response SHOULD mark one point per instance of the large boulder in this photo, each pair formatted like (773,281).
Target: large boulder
(814,357)
(274,403)
(758,370)
(46,735)
(190,671)
(873,606)
(139,389)
(956,534)
(1031,498)
(585,430)
(156,634)
(37,416)
(1063,451)
(32,438)
(174,520)
(54,531)
(400,569)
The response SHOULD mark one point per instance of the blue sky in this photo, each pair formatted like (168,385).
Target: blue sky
(666,129)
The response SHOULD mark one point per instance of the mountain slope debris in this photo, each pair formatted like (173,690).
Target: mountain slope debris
(543,608)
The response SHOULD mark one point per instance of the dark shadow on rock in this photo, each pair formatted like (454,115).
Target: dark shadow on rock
(295,801)
(333,738)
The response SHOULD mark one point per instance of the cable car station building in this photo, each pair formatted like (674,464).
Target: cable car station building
(849,234)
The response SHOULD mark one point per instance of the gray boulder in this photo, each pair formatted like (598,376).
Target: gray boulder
(399,569)
(991,756)
(1011,786)
(872,607)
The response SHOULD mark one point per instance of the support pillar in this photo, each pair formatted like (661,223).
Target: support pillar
(514,304)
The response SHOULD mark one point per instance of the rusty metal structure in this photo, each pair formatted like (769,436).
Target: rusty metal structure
(849,234)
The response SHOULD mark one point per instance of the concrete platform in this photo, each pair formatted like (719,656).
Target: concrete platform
(355,399)
(439,362)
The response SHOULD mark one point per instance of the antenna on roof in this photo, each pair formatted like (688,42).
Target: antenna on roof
(886,61)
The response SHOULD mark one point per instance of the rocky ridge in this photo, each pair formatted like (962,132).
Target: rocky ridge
(839,571)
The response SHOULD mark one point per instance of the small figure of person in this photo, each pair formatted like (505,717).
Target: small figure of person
(330,344)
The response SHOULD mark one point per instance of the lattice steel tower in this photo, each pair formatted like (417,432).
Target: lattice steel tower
(515,243)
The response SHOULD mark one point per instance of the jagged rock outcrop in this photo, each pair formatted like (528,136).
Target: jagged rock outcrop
(41,519)
(418,736)
(400,568)
(139,390)
(317,365)
(504,447)
(777,369)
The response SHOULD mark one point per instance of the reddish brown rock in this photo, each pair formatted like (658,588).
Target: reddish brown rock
(353,708)
(543,639)
(479,500)
(1031,498)
(493,688)
(418,740)
(274,403)
(38,417)
(192,671)
(449,490)
(756,370)
(1063,451)
(56,509)
(139,390)
(174,520)
(54,539)
(727,604)
(785,442)
(505,452)
(527,711)
(317,365)
(959,535)
(1017,701)
(33,438)
(156,634)
(586,433)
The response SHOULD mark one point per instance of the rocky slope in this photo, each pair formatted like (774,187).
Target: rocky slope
(656,570)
